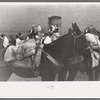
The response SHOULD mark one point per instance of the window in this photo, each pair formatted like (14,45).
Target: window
(55,20)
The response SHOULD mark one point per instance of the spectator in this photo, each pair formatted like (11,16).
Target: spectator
(56,28)
(39,29)
(33,31)
(47,39)
(55,34)
(18,40)
(20,36)
(9,54)
(1,43)
(5,40)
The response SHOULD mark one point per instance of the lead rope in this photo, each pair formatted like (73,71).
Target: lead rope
(74,43)
(79,40)
(34,69)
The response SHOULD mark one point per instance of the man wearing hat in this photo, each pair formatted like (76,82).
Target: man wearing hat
(33,31)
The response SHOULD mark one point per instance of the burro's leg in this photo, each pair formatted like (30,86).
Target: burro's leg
(73,70)
(89,69)
(97,72)
(62,74)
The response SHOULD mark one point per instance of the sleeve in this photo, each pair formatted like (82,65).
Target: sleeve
(9,55)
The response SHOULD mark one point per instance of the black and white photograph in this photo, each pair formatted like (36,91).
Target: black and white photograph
(49,42)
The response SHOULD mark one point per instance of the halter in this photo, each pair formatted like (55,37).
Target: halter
(77,37)
(79,57)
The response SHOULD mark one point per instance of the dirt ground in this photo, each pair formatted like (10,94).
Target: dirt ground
(80,77)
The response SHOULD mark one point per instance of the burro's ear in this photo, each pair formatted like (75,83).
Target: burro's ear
(72,24)
(75,23)
(76,28)
(69,31)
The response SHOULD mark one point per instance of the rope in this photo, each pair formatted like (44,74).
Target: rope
(53,60)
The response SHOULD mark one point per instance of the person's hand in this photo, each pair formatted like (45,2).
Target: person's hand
(41,46)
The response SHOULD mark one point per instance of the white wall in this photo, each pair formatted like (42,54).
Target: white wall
(19,17)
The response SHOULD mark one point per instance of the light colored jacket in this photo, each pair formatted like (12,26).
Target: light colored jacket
(5,42)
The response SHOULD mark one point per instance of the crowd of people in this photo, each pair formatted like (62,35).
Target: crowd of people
(26,51)
(19,50)
(45,38)
(36,31)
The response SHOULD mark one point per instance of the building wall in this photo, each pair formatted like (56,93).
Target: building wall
(20,17)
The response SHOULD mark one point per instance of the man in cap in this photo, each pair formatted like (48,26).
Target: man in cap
(33,31)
